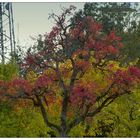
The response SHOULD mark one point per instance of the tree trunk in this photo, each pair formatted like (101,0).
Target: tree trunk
(63,134)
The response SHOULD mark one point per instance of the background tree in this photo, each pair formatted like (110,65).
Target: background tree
(132,43)
(112,15)
(8,71)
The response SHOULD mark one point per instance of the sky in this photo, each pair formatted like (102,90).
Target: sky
(31,19)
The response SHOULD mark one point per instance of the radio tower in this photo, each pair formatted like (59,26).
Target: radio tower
(7,35)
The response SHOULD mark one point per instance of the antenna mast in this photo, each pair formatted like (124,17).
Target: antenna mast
(7,35)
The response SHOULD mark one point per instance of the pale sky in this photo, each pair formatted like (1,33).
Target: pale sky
(32,18)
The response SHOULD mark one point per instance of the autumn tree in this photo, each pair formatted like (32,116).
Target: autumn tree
(73,74)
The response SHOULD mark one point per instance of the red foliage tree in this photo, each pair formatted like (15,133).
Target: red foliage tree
(76,43)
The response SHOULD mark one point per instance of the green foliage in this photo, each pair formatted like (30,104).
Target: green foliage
(8,71)
(22,123)
(132,42)
(120,119)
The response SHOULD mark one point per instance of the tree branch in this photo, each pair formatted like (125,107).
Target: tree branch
(79,119)
(45,117)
